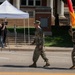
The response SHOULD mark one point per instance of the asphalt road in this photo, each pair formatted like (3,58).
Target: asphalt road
(18,61)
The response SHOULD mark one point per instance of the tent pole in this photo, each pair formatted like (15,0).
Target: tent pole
(15,34)
(28,32)
(24,31)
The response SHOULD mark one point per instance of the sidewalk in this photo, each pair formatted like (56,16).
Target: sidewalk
(32,47)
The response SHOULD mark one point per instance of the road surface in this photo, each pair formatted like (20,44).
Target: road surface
(18,61)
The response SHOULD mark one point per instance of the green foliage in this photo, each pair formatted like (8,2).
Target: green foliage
(60,38)
(21,30)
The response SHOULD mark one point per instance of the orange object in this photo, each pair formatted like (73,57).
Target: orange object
(72,14)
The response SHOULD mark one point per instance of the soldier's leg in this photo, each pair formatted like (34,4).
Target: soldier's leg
(73,56)
(36,55)
(73,52)
(43,55)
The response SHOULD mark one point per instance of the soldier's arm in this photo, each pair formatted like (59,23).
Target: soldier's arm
(33,42)
(70,32)
(41,38)
(3,27)
(73,37)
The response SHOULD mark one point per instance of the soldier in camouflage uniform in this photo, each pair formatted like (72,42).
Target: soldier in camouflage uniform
(72,33)
(39,41)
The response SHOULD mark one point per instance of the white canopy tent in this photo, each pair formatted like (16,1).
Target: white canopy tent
(9,11)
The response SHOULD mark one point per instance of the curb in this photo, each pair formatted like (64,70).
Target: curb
(31,48)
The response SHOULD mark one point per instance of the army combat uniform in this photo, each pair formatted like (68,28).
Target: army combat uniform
(39,41)
(73,52)
(72,33)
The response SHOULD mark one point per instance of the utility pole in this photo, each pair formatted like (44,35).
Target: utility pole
(56,13)
(56,7)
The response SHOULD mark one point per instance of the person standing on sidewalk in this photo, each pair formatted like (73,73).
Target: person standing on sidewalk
(2,27)
(5,23)
(39,41)
(72,33)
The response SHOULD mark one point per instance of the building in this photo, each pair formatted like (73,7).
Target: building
(43,10)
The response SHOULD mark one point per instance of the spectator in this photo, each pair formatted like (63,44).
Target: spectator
(1,35)
(5,23)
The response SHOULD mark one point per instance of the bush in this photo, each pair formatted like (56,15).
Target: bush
(60,37)
(21,30)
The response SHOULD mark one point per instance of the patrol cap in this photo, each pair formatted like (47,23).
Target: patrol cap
(37,22)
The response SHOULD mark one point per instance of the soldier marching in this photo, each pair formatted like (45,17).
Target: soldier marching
(39,41)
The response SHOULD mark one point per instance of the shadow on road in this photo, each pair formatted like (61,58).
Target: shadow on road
(48,68)
(56,68)
(14,66)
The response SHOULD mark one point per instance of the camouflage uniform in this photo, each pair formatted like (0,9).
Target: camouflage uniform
(72,33)
(39,40)
(73,52)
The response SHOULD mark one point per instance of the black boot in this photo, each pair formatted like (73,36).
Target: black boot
(33,65)
(73,67)
(47,64)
